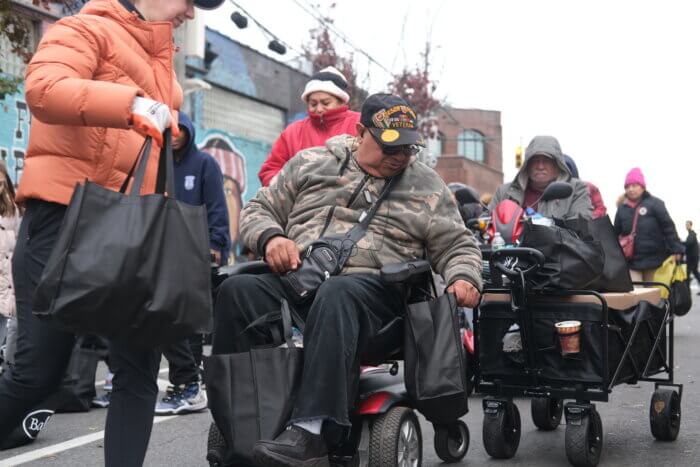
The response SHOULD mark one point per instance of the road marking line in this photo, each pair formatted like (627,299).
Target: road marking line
(64,446)
(75,442)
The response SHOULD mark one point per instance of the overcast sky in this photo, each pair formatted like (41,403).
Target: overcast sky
(615,81)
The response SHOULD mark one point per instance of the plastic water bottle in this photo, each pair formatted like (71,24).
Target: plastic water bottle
(297,337)
(497,242)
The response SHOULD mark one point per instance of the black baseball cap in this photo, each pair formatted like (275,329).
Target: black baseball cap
(208,4)
(391,120)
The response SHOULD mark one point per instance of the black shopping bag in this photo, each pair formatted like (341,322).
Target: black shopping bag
(681,298)
(616,273)
(78,387)
(32,424)
(74,395)
(130,267)
(572,260)
(615,276)
(251,394)
(435,365)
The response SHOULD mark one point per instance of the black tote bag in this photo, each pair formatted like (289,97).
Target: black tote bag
(78,387)
(251,394)
(435,365)
(31,425)
(130,267)
(616,273)
(572,260)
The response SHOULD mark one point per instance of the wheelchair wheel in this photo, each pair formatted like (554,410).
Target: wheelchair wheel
(584,440)
(501,430)
(451,441)
(546,412)
(396,439)
(216,447)
(665,414)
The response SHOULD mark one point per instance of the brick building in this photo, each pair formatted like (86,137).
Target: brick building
(469,148)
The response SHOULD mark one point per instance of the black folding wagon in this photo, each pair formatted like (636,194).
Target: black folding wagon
(623,338)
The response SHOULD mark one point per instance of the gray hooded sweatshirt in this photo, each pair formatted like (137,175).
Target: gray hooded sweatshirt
(578,204)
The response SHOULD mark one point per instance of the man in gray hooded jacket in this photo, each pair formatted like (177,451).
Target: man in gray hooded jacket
(544,164)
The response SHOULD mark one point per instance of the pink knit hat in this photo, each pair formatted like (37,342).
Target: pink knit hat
(635,176)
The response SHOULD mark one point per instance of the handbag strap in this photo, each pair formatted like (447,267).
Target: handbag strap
(269,319)
(634,221)
(360,229)
(297,320)
(286,323)
(145,149)
(165,181)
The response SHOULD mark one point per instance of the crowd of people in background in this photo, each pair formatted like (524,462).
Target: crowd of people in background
(639,214)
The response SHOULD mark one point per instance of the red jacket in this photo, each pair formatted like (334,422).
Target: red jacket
(312,131)
(599,209)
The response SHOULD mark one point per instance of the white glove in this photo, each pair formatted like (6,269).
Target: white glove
(150,118)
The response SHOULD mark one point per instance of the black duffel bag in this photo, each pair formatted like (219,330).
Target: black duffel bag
(572,261)
(251,394)
(130,267)
(435,363)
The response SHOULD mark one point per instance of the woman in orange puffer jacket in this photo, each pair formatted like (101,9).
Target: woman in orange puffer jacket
(95,78)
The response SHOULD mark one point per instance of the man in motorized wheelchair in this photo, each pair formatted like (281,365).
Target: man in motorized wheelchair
(544,163)
(322,193)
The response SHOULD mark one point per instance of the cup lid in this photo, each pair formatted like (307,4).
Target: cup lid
(568,324)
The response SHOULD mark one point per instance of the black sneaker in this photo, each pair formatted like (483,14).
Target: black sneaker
(294,447)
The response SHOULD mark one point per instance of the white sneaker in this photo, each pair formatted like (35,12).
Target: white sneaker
(182,399)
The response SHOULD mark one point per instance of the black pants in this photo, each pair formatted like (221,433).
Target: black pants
(345,313)
(184,358)
(692,264)
(43,351)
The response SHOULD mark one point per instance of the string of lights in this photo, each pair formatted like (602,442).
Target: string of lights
(309,9)
(276,44)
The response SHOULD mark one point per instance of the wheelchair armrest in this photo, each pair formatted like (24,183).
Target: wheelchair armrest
(404,272)
(249,267)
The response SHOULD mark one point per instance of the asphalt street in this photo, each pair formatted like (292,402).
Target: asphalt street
(77,439)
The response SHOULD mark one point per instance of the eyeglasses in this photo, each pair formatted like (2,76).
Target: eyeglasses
(408,150)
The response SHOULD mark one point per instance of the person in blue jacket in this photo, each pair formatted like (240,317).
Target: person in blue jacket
(198,180)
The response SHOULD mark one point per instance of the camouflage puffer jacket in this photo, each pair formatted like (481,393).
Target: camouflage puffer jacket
(325,188)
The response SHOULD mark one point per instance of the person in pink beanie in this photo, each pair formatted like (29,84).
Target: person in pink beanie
(635,176)
(655,236)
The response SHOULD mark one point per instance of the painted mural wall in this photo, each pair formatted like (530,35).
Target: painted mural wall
(240,160)
(15,119)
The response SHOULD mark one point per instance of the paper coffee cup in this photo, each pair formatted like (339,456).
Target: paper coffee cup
(569,336)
